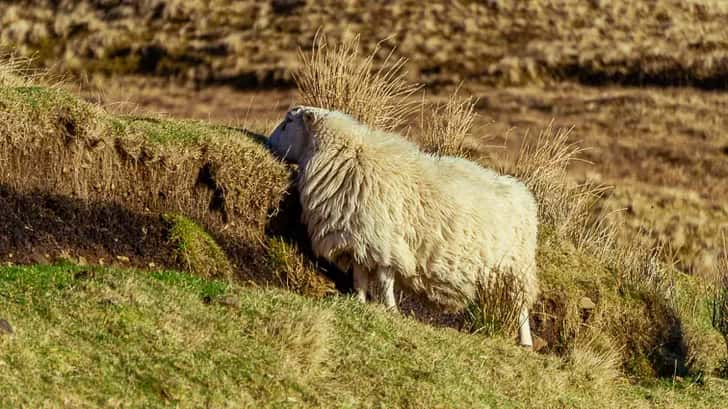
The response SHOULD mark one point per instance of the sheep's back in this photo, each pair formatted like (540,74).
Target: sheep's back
(488,223)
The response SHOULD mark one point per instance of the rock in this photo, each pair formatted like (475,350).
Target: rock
(123,259)
(5,328)
(585,303)
(229,301)
(539,344)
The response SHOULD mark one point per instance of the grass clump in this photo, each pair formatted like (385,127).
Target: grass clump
(341,78)
(495,309)
(221,179)
(196,249)
(294,272)
(719,310)
(447,126)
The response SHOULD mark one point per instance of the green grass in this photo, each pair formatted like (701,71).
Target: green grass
(196,249)
(92,337)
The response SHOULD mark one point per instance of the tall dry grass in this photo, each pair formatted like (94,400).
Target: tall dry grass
(16,71)
(13,71)
(542,164)
(342,78)
(720,302)
(497,304)
(444,128)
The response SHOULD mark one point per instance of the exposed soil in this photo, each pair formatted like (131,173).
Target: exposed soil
(40,227)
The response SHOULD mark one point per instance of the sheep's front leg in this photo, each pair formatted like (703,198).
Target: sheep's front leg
(361,283)
(385,276)
(524,328)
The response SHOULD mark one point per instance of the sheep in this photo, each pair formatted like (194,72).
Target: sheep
(373,202)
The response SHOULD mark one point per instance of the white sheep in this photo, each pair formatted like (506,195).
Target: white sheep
(373,201)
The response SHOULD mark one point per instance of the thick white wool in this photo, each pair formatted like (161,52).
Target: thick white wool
(373,199)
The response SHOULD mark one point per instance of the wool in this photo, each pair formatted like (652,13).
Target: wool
(372,201)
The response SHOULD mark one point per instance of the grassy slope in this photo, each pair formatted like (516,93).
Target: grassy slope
(175,338)
(94,337)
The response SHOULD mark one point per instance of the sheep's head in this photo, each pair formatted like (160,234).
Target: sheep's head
(307,129)
(293,138)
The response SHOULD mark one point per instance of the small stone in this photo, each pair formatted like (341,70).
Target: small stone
(539,344)
(101,261)
(585,303)
(229,301)
(123,259)
(152,265)
(5,328)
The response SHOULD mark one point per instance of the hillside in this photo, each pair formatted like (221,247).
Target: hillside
(254,43)
(151,249)
(91,337)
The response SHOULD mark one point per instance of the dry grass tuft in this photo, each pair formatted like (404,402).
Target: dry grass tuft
(594,362)
(341,78)
(447,125)
(18,71)
(563,204)
(720,303)
(640,308)
(294,272)
(497,304)
(13,72)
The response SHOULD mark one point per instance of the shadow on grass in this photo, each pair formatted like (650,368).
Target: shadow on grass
(38,227)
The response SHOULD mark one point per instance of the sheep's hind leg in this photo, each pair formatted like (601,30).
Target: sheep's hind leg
(524,328)
(386,281)
(361,283)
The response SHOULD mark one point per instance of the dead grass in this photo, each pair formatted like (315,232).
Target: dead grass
(19,72)
(341,78)
(593,361)
(643,42)
(495,309)
(542,164)
(294,272)
(444,127)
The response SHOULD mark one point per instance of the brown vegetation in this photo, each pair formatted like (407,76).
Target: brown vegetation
(635,311)
(54,144)
(247,43)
